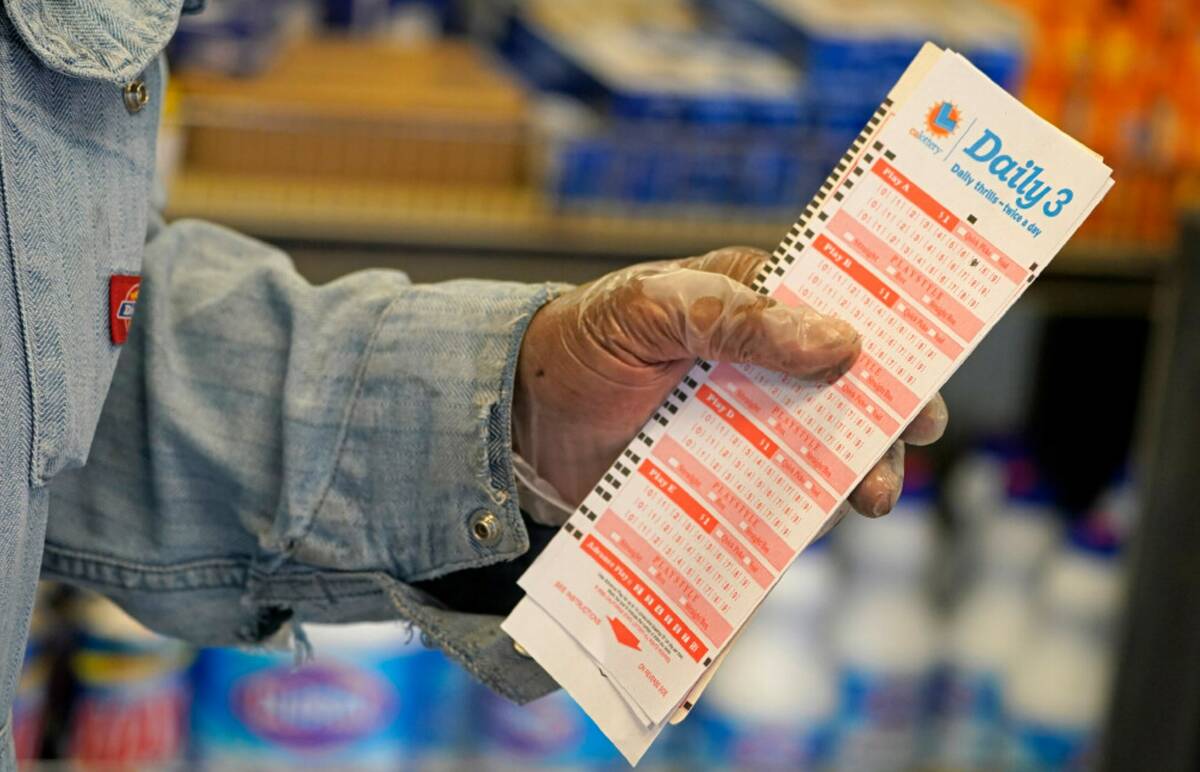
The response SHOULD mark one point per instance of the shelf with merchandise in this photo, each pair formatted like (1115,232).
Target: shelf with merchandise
(520,219)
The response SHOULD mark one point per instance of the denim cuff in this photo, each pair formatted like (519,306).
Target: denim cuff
(425,469)
(428,460)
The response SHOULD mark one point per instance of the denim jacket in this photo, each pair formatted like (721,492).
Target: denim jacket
(268,450)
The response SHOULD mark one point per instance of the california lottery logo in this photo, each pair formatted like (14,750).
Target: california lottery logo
(941,121)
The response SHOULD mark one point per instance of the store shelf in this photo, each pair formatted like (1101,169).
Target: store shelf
(515,220)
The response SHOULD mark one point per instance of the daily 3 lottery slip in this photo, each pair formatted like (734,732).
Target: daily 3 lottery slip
(945,208)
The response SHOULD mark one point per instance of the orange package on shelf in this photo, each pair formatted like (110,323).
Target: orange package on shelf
(440,113)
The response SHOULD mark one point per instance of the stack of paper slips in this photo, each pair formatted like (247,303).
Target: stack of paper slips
(943,210)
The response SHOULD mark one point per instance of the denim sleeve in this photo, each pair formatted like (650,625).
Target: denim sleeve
(272,450)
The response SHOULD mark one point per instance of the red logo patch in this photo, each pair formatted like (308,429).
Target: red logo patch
(122,300)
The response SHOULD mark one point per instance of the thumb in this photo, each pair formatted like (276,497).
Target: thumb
(714,316)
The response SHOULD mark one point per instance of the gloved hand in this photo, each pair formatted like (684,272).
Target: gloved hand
(598,360)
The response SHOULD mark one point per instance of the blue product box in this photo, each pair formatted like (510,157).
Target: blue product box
(554,733)
(372,696)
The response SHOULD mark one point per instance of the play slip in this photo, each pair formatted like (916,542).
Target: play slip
(942,212)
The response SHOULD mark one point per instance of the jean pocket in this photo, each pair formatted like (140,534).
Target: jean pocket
(76,168)
(111,40)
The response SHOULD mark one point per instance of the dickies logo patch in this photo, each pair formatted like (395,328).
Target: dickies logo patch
(122,301)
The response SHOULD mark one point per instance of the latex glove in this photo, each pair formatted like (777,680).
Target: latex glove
(598,360)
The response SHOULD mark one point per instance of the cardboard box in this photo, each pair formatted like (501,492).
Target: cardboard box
(441,112)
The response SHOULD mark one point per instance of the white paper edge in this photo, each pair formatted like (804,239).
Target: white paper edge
(569,664)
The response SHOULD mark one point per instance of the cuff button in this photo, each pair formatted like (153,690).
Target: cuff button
(485,528)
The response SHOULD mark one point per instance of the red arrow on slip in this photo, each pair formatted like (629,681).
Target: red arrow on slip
(624,635)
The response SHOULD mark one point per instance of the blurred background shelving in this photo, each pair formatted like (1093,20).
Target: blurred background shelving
(639,129)
(535,140)
(462,218)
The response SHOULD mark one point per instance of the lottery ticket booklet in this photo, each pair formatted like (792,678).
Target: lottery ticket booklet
(942,212)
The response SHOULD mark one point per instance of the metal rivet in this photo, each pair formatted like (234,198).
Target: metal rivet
(136,95)
(485,528)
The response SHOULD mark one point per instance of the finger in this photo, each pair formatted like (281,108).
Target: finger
(929,425)
(712,316)
(742,264)
(877,494)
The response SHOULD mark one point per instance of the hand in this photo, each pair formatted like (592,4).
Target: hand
(597,361)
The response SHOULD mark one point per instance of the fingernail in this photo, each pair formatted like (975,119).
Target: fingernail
(833,372)
(837,336)
(892,478)
(940,415)
(886,502)
(839,333)
(883,504)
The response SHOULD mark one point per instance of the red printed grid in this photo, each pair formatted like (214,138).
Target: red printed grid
(866,368)
(767,447)
(665,576)
(907,277)
(736,513)
(888,296)
(700,514)
(784,425)
(942,216)
(649,599)
(752,477)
